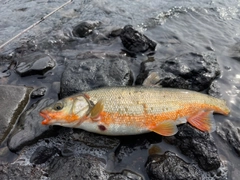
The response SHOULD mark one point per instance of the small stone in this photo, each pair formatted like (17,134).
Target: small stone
(85,28)
(39,92)
(35,63)
(136,42)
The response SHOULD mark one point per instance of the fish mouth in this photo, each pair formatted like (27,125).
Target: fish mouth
(46,118)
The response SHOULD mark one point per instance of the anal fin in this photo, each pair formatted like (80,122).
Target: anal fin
(203,120)
(165,128)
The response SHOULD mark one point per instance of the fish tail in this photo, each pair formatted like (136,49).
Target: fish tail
(203,120)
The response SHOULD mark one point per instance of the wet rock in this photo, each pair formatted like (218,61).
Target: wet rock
(42,154)
(231,134)
(5,63)
(20,172)
(13,100)
(188,71)
(214,90)
(95,140)
(39,92)
(136,42)
(126,175)
(84,167)
(35,63)
(93,73)
(198,145)
(116,32)
(234,52)
(85,28)
(29,127)
(170,166)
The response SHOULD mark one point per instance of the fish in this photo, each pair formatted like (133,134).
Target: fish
(118,111)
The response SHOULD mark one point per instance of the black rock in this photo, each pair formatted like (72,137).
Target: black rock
(39,92)
(93,73)
(29,128)
(169,166)
(85,28)
(188,71)
(214,89)
(13,101)
(20,172)
(198,145)
(95,140)
(42,154)
(231,134)
(35,63)
(136,42)
(126,175)
(84,167)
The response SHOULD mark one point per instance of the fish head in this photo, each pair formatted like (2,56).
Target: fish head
(67,112)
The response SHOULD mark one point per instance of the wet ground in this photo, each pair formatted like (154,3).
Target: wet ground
(177,27)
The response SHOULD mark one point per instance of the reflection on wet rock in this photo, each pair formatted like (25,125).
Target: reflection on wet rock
(170,166)
(13,100)
(81,75)
(29,127)
(231,134)
(188,71)
(136,42)
(35,63)
(42,154)
(85,28)
(199,146)
(38,92)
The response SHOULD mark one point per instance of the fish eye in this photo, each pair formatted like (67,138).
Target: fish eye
(58,106)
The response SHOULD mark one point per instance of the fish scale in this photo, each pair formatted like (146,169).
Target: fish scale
(156,100)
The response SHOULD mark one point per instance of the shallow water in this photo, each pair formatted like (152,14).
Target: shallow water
(177,27)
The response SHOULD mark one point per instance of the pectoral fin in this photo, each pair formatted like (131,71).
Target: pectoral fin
(203,120)
(96,110)
(165,128)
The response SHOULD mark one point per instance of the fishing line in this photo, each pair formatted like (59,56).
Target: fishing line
(36,23)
